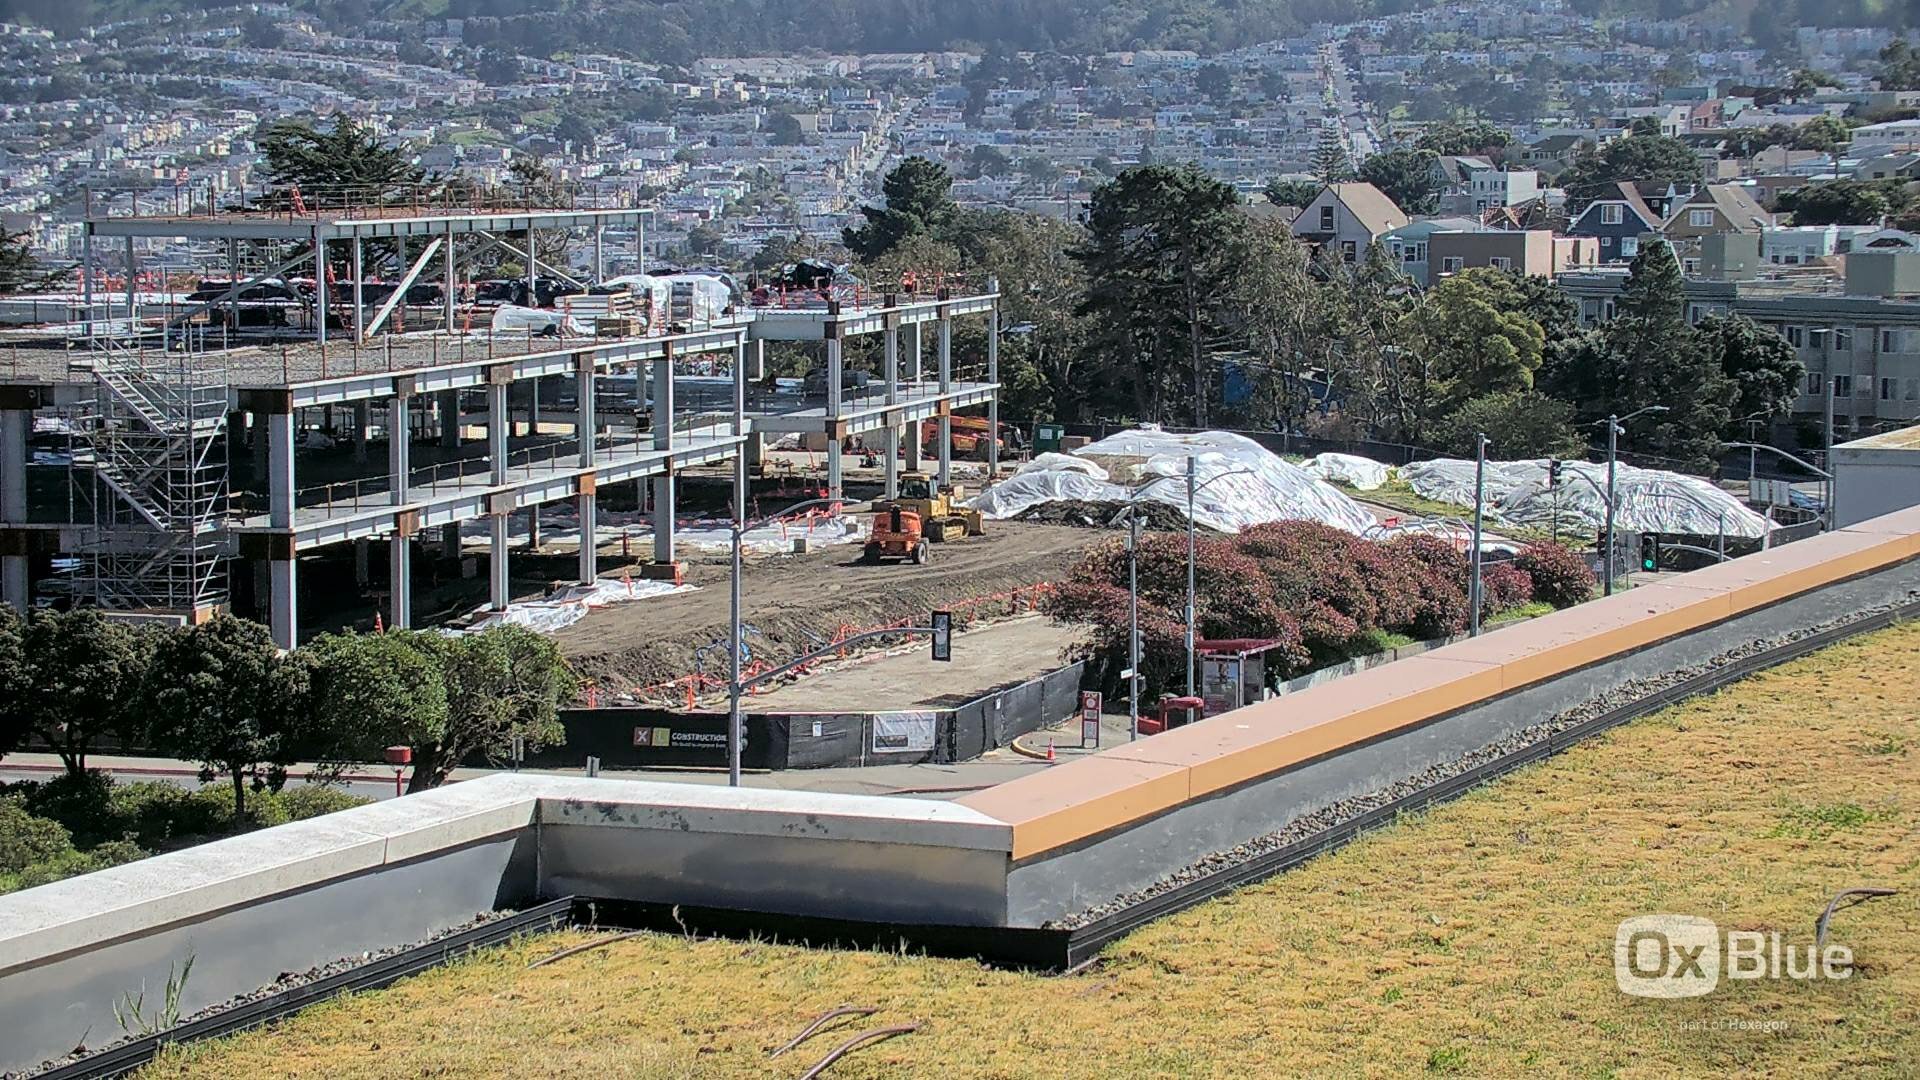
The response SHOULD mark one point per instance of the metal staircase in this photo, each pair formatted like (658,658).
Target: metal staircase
(158,482)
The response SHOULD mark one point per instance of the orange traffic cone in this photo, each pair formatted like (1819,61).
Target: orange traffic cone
(1049,748)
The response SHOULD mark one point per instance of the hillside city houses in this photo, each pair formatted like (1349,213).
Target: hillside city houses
(730,153)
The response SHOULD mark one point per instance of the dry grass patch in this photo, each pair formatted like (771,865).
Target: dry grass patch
(1472,940)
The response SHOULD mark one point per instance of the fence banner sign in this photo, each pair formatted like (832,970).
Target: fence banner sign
(904,732)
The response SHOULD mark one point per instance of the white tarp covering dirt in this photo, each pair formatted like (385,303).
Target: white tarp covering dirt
(1242,483)
(1650,500)
(568,606)
(1361,474)
(1049,462)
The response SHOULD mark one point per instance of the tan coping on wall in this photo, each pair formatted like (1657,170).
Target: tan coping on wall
(1110,789)
(1080,798)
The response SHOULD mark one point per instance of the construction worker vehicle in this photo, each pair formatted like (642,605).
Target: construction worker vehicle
(924,513)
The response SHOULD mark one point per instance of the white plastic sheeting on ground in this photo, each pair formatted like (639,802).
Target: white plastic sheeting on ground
(560,524)
(1241,482)
(1650,500)
(1051,461)
(568,606)
(1361,474)
(510,319)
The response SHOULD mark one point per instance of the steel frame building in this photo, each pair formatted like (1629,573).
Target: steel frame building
(185,409)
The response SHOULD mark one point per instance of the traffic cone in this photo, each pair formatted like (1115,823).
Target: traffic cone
(1049,748)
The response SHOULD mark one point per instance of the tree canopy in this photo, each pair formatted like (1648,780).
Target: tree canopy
(1406,177)
(919,199)
(1636,158)
(341,161)
(1454,138)
(1156,277)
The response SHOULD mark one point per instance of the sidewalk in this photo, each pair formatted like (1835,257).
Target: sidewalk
(928,780)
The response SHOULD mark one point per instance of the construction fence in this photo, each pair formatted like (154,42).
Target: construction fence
(644,737)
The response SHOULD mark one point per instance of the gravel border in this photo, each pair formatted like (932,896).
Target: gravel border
(1327,817)
(287,980)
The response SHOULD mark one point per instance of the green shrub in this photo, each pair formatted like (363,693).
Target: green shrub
(154,812)
(26,840)
(73,863)
(77,802)
(304,801)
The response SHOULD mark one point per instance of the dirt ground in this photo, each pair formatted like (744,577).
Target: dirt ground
(795,603)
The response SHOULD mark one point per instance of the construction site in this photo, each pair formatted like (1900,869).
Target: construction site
(741,512)
(343,423)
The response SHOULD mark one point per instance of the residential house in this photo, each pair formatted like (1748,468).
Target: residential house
(1347,217)
(1886,138)
(1714,210)
(1800,245)
(1407,245)
(1554,151)
(1535,252)
(1888,167)
(1617,220)
(1492,189)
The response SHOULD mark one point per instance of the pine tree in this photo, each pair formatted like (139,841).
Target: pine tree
(1330,162)
(1649,355)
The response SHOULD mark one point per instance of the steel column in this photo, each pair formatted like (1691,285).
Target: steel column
(284,602)
(892,468)
(400,581)
(993,376)
(836,468)
(663,485)
(14,426)
(946,388)
(588,506)
(915,461)
(280,489)
(399,448)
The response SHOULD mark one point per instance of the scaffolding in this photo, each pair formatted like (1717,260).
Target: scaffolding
(158,481)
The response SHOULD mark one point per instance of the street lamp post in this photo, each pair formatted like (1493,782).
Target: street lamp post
(1193,465)
(1481,442)
(1133,576)
(735,647)
(1133,626)
(1614,430)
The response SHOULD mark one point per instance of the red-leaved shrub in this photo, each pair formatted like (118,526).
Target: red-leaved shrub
(1503,587)
(1560,575)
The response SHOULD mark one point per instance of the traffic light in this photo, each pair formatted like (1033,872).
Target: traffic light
(943,636)
(1649,551)
(1553,472)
